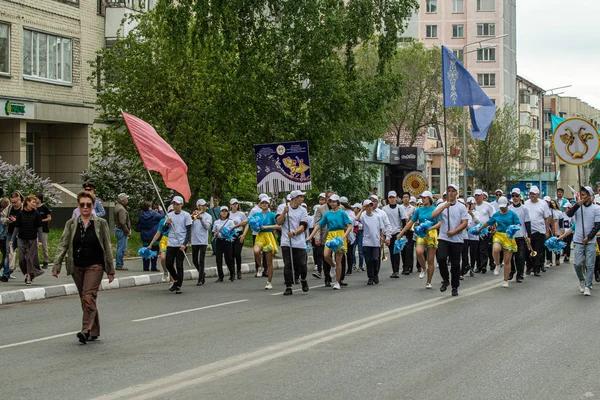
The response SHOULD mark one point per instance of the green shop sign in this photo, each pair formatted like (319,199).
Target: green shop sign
(17,109)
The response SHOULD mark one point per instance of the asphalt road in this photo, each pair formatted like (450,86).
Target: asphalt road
(395,340)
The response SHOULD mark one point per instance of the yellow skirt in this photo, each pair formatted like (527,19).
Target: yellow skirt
(597,249)
(267,242)
(505,242)
(334,234)
(431,240)
(162,245)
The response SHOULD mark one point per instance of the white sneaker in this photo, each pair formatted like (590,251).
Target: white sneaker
(428,286)
(505,284)
(332,273)
(496,271)
(259,272)
(421,274)
(581,286)
(268,286)
(336,286)
(165,277)
(586,292)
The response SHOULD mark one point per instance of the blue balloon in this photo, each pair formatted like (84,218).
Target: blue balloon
(399,245)
(422,229)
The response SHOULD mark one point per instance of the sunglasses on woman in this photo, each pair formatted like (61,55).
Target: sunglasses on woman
(85,205)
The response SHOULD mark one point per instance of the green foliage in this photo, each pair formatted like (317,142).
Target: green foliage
(497,158)
(214,78)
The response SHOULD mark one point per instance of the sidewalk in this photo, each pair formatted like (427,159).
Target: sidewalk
(46,286)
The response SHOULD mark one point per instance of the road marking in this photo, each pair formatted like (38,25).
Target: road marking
(38,340)
(296,290)
(206,373)
(190,310)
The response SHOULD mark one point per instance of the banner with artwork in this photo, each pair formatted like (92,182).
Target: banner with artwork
(282,167)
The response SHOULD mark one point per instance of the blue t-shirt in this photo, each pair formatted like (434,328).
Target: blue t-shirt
(423,214)
(335,220)
(268,219)
(503,221)
(161,225)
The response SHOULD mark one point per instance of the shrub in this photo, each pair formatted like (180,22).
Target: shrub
(19,177)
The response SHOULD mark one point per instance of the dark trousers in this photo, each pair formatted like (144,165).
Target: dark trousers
(519,258)
(394,258)
(198,256)
(150,264)
(4,251)
(174,261)
(491,253)
(223,248)
(88,280)
(237,247)
(299,265)
(453,250)
(568,241)
(469,255)
(318,256)
(482,252)
(347,261)
(537,244)
(408,253)
(372,255)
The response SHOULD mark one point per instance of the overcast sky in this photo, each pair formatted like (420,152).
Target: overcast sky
(558,44)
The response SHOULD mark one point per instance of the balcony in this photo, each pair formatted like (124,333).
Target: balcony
(118,10)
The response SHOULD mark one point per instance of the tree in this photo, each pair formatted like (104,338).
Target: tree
(20,177)
(214,78)
(495,160)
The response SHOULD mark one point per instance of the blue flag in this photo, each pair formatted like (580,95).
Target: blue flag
(461,89)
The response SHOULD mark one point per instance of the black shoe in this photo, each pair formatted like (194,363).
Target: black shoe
(304,286)
(519,279)
(239,275)
(265,275)
(45,266)
(536,273)
(288,291)
(566,259)
(543,268)
(327,284)
(511,275)
(219,280)
(349,272)
(173,287)
(597,277)
(370,282)
(454,292)
(297,281)
(444,286)
(83,337)
(419,269)
(528,271)
(471,273)
(3,279)
(178,291)
(231,277)
(476,271)
(342,283)
(483,270)
(376,280)
(92,338)
(200,282)
(317,274)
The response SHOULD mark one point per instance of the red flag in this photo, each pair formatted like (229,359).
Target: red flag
(158,156)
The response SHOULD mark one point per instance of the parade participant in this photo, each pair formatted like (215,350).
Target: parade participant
(484,211)
(338,225)
(162,235)
(201,226)
(9,217)
(223,247)
(540,216)
(256,210)
(502,243)
(319,242)
(265,241)
(348,260)
(470,247)
(453,220)
(148,224)
(555,226)
(357,207)
(322,201)
(179,223)
(373,230)
(214,213)
(240,220)
(499,193)
(520,257)
(293,220)
(429,243)
(407,254)
(86,240)
(384,218)
(586,217)
(46,215)
(567,238)
(560,200)
(397,216)
(28,235)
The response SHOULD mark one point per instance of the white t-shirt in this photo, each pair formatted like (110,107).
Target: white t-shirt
(352,215)
(485,211)
(458,214)
(523,214)
(409,210)
(538,212)
(372,226)
(295,217)
(237,218)
(178,231)
(470,224)
(395,216)
(200,229)
(384,218)
(591,215)
(219,224)
(495,205)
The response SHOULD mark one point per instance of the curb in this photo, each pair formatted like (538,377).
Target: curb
(32,294)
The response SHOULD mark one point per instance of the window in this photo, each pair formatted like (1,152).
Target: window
(458,53)
(431,133)
(524,119)
(524,96)
(547,116)
(4,49)
(431,31)
(493,101)
(435,180)
(30,150)
(486,29)
(486,5)
(431,6)
(458,31)
(486,80)
(548,167)
(74,2)
(535,122)
(562,114)
(548,151)
(47,57)
(458,6)
(487,55)
(547,134)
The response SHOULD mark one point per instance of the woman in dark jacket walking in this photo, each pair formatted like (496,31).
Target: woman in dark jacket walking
(148,223)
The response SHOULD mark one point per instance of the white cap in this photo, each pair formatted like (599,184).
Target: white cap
(534,189)
(515,190)
(478,192)
(471,200)
(356,205)
(123,196)
(201,202)
(296,193)
(262,196)
(374,197)
(233,201)
(499,190)
(304,205)
(413,199)
(461,201)
(426,193)
(367,202)
(334,197)
(288,197)
(344,200)
(547,198)
(170,208)
(443,194)
(224,208)
(177,199)
(322,195)
(502,201)
(392,193)
(419,201)
(589,190)
(265,198)
(439,201)
(453,186)
(568,205)
(486,194)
